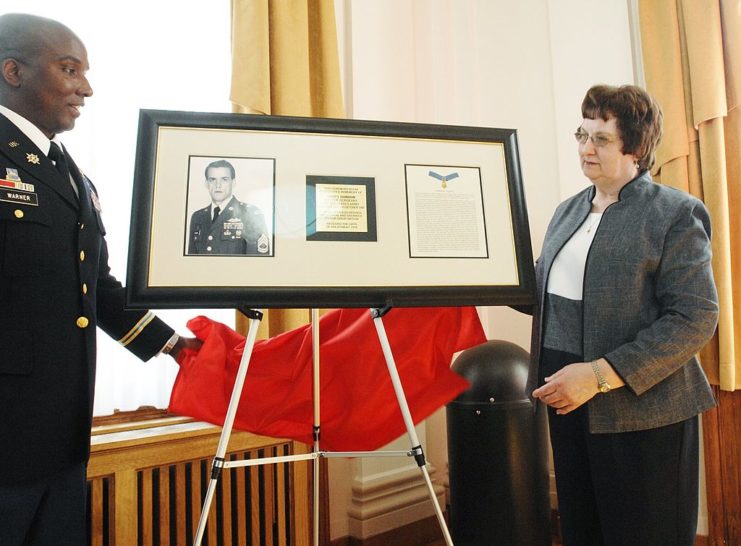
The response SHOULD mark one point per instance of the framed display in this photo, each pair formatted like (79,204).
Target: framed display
(239,210)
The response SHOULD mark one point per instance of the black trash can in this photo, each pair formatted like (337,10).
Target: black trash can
(497,452)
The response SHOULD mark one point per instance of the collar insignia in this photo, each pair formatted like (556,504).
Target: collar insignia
(13,144)
(33,158)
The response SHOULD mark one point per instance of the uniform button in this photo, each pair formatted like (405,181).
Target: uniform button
(82,226)
(208,248)
(18,213)
(82,255)
(82,322)
(210,237)
(84,288)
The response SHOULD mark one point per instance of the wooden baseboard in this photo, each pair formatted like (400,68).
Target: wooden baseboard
(427,532)
(419,533)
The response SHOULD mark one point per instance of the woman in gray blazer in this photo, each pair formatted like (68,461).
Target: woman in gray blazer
(625,300)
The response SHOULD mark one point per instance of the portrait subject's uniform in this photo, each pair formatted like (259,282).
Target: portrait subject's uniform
(238,229)
(55,288)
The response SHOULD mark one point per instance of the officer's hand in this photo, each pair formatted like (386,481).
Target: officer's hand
(191,343)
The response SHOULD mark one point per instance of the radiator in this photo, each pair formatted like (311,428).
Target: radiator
(146,488)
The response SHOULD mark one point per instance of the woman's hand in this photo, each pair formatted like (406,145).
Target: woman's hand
(568,388)
(574,385)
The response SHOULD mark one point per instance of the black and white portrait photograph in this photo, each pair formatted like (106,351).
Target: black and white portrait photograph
(230,206)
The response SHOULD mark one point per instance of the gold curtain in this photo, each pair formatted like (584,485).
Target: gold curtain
(692,63)
(285,62)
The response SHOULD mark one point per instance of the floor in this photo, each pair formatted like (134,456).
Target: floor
(556,542)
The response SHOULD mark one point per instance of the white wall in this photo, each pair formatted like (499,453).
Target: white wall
(143,55)
(496,63)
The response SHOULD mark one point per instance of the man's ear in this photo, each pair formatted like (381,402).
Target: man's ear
(11,70)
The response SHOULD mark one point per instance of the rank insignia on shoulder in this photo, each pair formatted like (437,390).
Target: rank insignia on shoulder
(262,244)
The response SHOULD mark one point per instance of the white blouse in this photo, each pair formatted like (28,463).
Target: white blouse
(566,278)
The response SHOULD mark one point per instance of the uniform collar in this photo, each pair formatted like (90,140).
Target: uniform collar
(222,207)
(33,133)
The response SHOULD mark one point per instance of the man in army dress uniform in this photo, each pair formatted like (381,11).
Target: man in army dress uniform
(55,288)
(227,225)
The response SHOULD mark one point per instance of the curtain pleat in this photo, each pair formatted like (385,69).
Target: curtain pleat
(692,69)
(285,59)
(285,62)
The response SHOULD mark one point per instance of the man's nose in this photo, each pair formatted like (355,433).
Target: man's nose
(85,88)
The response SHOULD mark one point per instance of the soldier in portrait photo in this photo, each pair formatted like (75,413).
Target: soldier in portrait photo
(227,226)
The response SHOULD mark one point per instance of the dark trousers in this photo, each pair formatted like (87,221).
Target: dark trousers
(627,488)
(50,513)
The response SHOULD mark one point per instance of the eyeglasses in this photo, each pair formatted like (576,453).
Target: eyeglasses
(599,140)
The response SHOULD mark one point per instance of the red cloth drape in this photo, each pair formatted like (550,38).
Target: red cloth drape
(359,410)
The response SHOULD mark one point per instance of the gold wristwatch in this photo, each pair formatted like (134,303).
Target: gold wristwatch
(602,384)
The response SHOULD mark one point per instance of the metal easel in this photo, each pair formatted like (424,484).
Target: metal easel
(219,463)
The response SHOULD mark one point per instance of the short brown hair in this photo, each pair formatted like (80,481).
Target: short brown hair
(638,115)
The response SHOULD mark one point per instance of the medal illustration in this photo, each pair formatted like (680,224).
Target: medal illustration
(443,178)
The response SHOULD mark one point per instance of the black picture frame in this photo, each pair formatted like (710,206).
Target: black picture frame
(371,269)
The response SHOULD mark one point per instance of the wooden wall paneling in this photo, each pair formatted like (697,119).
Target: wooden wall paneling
(255,519)
(268,496)
(125,524)
(145,501)
(280,486)
(97,512)
(721,436)
(241,504)
(302,499)
(196,498)
(165,514)
(180,504)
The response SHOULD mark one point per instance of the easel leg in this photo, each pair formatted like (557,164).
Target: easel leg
(419,456)
(226,432)
(317,416)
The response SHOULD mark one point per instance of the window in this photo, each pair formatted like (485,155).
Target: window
(163,55)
